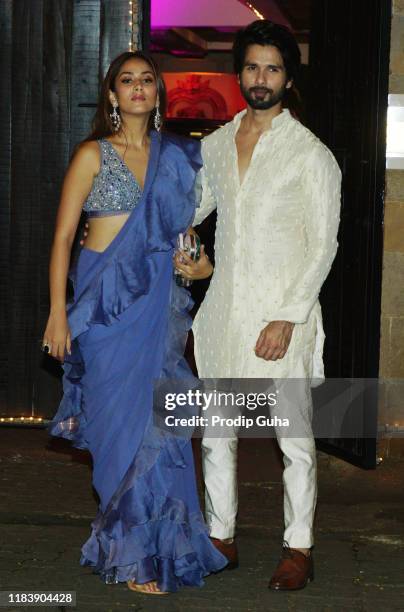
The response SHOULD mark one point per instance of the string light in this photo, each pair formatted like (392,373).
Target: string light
(22,420)
(255,11)
(130,46)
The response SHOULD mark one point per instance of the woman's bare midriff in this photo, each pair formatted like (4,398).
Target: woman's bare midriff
(102,231)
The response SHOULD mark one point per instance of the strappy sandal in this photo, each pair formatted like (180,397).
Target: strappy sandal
(142,588)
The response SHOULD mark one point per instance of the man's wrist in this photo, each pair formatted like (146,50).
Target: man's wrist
(282,321)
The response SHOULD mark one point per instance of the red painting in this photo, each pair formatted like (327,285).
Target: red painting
(202,95)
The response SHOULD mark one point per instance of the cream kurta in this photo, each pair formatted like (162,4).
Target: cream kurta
(276,238)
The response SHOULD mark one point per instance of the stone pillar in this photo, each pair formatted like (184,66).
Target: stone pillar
(392,320)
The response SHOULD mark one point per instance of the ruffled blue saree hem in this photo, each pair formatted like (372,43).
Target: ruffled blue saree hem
(174,554)
(146,535)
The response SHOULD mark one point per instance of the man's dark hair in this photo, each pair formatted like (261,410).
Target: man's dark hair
(264,32)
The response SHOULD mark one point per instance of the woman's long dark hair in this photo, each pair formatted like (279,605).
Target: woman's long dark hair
(102,125)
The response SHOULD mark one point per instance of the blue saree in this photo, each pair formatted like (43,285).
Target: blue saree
(129,322)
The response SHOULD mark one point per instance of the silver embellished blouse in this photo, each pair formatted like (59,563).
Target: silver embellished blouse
(115,189)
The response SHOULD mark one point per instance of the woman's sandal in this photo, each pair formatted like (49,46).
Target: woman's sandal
(145,588)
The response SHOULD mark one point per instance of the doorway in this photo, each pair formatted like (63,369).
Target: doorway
(344,85)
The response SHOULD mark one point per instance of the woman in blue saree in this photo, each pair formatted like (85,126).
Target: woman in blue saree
(125,328)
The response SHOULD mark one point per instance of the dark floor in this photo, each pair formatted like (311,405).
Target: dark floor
(47,505)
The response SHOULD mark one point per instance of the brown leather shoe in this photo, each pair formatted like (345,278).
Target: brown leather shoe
(294,571)
(228,550)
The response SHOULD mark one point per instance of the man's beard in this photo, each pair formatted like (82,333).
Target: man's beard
(265,102)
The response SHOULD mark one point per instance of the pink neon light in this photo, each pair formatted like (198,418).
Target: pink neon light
(194,13)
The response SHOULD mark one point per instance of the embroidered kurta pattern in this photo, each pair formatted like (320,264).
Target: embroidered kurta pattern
(276,239)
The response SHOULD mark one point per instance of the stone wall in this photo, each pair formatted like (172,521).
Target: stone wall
(392,320)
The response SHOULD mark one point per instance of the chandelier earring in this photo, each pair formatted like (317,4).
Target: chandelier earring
(157,118)
(115,118)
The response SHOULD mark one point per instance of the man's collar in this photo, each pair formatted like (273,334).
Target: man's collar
(277,121)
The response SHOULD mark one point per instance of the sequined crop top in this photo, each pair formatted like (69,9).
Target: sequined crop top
(115,190)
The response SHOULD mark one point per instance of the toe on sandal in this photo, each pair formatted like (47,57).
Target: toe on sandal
(142,588)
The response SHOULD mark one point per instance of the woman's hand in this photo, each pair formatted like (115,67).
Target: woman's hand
(193,270)
(57,335)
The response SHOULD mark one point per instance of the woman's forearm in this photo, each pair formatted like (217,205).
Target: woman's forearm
(58,270)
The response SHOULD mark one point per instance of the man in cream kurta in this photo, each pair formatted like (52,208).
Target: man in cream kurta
(276,238)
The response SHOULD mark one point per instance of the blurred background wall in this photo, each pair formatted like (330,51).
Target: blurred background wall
(52,55)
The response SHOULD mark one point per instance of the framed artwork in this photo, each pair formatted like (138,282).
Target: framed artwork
(202,95)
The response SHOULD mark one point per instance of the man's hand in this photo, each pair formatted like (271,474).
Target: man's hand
(85,234)
(193,270)
(274,340)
